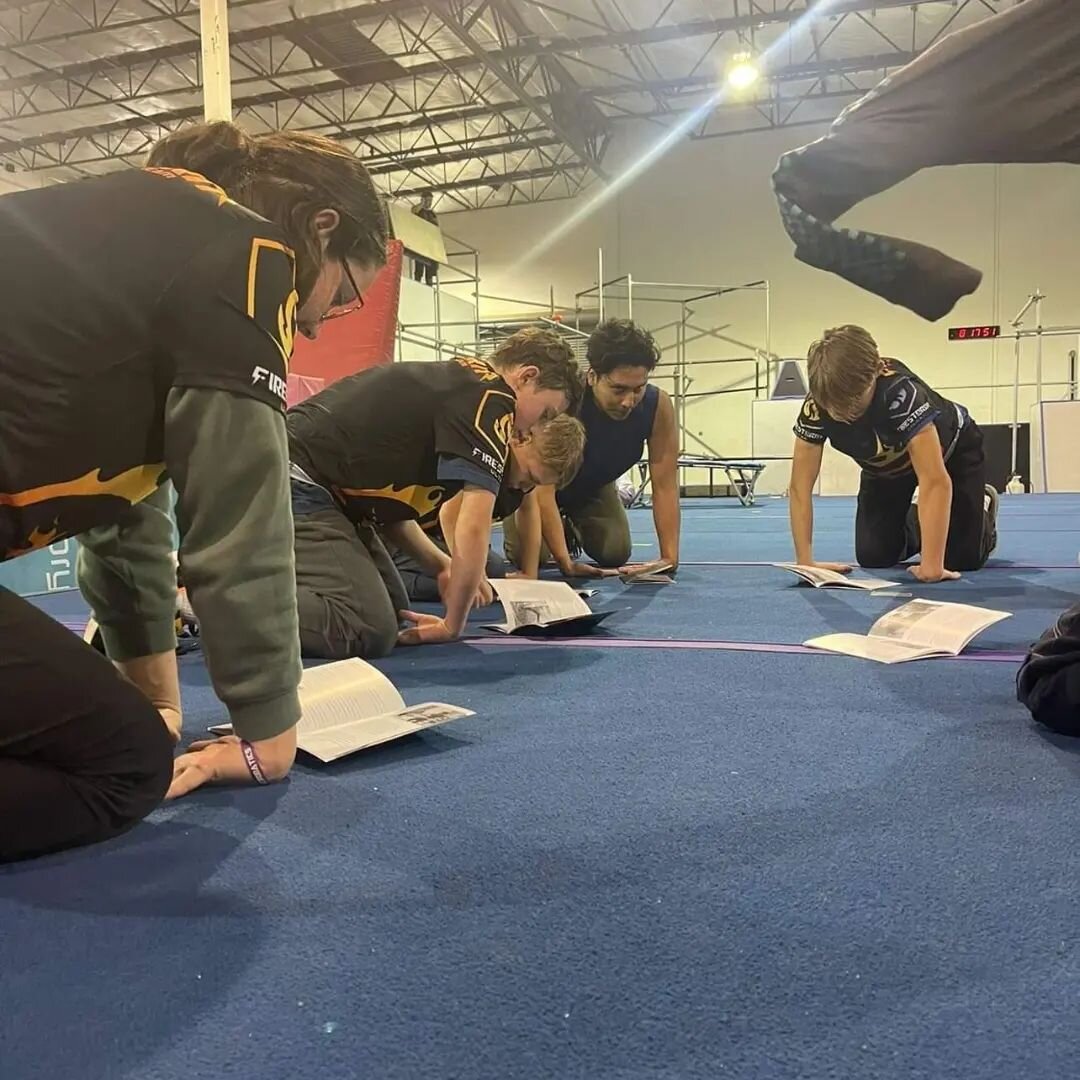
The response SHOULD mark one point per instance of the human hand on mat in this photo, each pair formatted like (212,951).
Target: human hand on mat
(931,575)
(586,570)
(835,567)
(222,761)
(485,594)
(206,762)
(638,567)
(426,629)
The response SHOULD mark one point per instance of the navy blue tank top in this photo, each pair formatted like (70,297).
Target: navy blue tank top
(611,446)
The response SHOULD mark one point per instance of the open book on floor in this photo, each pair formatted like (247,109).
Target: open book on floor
(654,573)
(830,579)
(349,706)
(918,630)
(543,608)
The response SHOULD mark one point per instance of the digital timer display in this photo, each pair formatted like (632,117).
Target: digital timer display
(973,333)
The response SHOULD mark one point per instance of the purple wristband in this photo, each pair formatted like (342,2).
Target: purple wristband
(252,761)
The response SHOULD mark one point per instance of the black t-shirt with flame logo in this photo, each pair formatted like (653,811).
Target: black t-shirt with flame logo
(902,406)
(117,290)
(394,442)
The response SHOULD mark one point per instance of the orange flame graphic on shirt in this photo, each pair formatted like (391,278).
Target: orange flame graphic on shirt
(195,179)
(133,486)
(37,539)
(420,499)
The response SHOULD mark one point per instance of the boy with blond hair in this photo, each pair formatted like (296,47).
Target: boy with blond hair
(904,435)
(378,452)
(549,455)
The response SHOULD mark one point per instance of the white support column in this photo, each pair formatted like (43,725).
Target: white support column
(600,283)
(217,82)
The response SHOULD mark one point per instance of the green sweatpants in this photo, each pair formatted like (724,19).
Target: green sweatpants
(599,527)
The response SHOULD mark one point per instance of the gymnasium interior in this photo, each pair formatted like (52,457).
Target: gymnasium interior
(685,846)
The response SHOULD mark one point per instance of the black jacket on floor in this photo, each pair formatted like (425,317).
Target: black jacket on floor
(1049,679)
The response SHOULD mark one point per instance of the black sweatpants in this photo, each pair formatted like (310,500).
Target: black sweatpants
(84,755)
(887,525)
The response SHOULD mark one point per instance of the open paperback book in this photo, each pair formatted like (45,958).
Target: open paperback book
(918,630)
(541,608)
(830,579)
(349,706)
(654,573)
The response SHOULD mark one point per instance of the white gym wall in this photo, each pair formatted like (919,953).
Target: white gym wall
(705,213)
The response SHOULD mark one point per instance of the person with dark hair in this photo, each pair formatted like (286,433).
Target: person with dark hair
(380,451)
(905,435)
(621,411)
(150,317)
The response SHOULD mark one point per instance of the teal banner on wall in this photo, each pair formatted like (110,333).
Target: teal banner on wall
(50,569)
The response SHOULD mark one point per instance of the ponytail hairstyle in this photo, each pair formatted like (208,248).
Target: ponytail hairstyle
(287,177)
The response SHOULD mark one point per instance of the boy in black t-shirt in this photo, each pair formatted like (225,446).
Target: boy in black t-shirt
(376,453)
(548,455)
(905,436)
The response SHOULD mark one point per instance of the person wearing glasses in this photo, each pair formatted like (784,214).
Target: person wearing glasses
(379,452)
(150,317)
(622,412)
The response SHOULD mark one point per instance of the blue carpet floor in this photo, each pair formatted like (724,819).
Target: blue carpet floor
(644,863)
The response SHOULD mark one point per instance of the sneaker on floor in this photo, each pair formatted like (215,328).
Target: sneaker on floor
(990,508)
(187,626)
(92,635)
(187,632)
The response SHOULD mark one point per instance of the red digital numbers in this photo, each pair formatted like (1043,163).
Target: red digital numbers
(971,333)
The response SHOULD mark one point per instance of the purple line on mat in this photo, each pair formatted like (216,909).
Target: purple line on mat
(902,569)
(990,656)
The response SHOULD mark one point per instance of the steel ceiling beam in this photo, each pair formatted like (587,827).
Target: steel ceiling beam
(536,46)
(55,149)
(443,9)
(494,180)
(374,11)
(362,13)
(382,134)
(168,119)
(136,121)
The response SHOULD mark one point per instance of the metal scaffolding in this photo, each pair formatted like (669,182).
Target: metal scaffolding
(479,102)
(1018,334)
(676,336)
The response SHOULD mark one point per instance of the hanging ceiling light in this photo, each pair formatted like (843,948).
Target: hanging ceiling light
(743,71)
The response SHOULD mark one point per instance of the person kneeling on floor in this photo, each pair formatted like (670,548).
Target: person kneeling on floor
(905,436)
(621,412)
(376,453)
(548,455)
(151,314)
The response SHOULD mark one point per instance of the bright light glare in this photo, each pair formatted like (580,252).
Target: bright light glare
(673,135)
(743,72)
